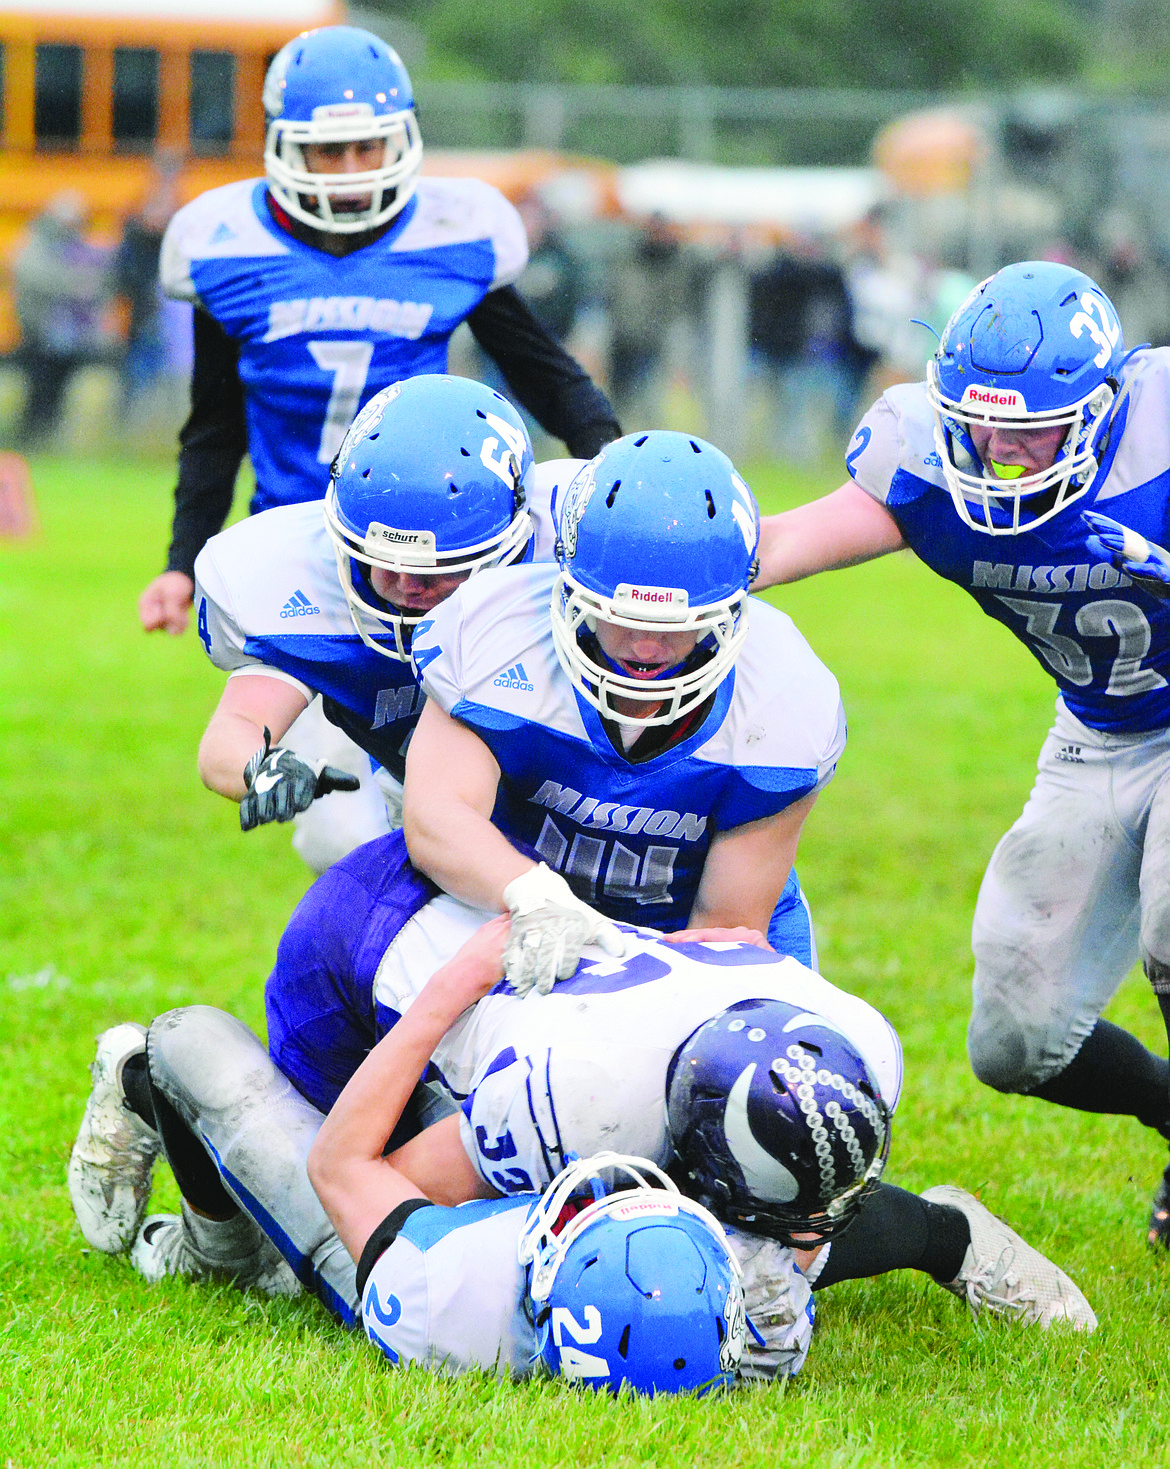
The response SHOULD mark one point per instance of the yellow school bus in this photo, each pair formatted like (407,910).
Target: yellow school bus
(92,90)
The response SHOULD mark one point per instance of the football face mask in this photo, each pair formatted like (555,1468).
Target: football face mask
(1035,349)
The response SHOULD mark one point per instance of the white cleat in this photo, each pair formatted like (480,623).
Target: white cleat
(232,1250)
(113,1157)
(1004,1275)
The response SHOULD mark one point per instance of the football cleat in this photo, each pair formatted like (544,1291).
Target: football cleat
(231,1250)
(1158,1235)
(113,1157)
(1004,1275)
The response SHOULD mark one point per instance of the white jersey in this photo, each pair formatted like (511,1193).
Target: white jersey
(630,837)
(449,1292)
(268,599)
(584,1068)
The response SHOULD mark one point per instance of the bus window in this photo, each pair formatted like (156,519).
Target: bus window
(57,108)
(135,118)
(213,87)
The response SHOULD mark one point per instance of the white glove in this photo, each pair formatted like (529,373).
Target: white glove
(550,927)
(779,1305)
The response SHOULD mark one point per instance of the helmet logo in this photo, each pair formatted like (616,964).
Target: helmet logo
(651,604)
(274,82)
(1106,332)
(366,421)
(735,1315)
(576,503)
(1007,399)
(341,111)
(766,1177)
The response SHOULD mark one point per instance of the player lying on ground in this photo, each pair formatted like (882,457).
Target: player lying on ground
(631,716)
(603,1056)
(310,611)
(638,1286)
(1033,410)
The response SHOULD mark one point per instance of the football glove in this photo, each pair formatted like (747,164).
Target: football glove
(280,784)
(550,927)
(1147,564)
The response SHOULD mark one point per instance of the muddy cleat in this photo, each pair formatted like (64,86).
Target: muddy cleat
(113,1157)
(1004,1275)
(1158,1235)
(233,1250)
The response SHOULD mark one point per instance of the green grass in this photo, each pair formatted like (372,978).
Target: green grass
(125,888)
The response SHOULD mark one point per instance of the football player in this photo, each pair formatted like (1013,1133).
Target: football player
(777,1107)
(630,716)
(338,273)
(435,480)
(496,1285)
(1032,411)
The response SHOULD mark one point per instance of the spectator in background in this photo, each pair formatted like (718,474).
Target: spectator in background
(62,290)
(648,295)
(135,278)
(552,282)
(800,317)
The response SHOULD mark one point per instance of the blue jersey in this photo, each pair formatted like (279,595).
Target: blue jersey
(268,600)
(630,836)
(318,334)
(1106,642)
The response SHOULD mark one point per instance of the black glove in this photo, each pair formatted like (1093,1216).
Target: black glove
(280,784)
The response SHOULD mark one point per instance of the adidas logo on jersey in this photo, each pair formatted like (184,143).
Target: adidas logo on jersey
(514,678)
(348,314)
(1070,754)
(298,605)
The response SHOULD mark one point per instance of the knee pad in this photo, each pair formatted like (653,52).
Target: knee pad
(997,1051)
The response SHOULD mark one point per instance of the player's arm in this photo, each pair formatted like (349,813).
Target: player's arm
(746,869)
(212,444)
(841,529)
(450,792)
(357,1186)
(544,378)
(235,733)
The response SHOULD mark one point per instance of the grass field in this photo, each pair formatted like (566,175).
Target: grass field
(125,888)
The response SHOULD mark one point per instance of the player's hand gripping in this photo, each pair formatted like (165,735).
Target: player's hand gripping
(280,784)
(1146,563)
(550,927)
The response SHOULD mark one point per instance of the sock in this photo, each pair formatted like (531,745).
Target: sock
(195,1173)
(898,1230)
(136,1088)
(222,1242)
(1113,1072)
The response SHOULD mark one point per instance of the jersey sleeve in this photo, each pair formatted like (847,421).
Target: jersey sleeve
(888,447)
(528,1112)
(215,614)
(448,1291)
(507,234)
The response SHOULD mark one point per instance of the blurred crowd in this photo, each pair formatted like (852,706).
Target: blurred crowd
(79,303)
(827,323)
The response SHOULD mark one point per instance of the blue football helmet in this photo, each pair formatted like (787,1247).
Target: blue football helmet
(432,478)
(640,1287)
(777,1121)
(339,84)
(1035,346)
(658,531)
